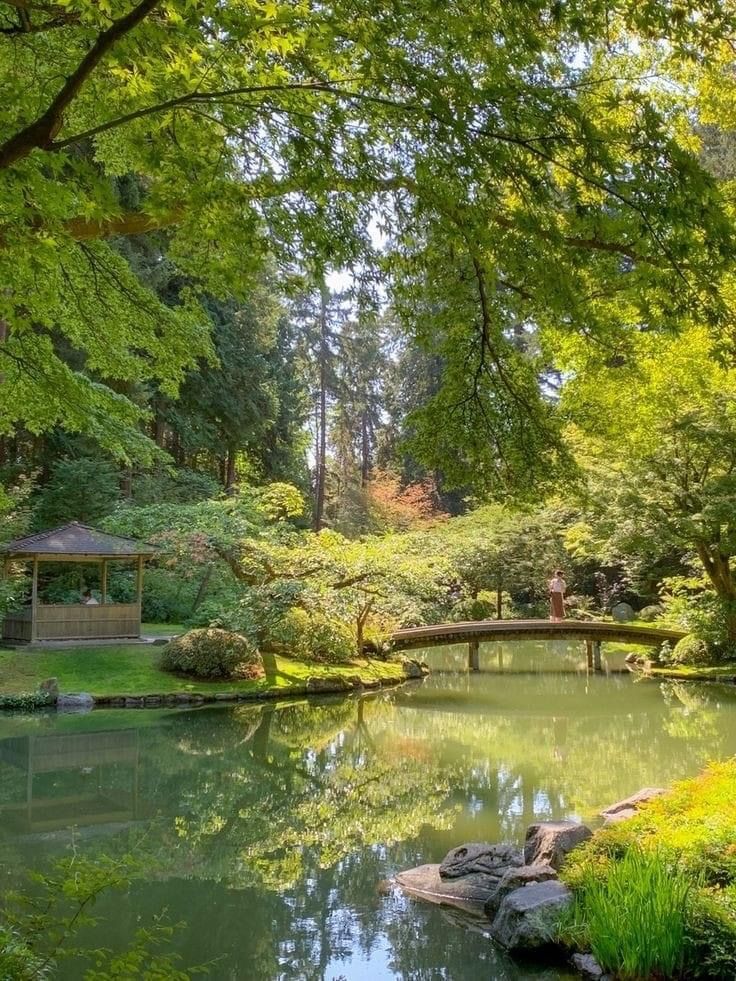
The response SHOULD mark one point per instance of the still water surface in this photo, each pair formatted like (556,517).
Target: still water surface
(269,829)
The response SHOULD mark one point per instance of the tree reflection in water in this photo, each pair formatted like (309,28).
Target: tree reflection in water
(269,828)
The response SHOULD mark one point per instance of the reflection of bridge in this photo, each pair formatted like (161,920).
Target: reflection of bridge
(593,632)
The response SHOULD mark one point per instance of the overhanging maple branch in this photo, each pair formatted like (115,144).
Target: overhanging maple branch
(40,133)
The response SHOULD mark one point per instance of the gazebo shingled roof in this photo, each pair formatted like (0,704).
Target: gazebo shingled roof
(76,539)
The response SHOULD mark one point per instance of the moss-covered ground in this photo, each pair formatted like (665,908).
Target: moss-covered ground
(129,669)
(686,837)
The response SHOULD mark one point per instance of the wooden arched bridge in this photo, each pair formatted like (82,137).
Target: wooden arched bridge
(593,632)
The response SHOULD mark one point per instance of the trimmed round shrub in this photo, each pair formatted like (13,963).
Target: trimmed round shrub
(311,635)
(650,613)
(691,650)
(213,653)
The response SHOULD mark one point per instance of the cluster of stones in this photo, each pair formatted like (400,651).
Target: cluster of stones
(519,889)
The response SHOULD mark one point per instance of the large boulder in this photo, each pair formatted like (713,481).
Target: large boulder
(622,613)
(326,683)
(527,917)
(426,882)
(480,857)
(651,613)
(516,878)
(414,668)
(549,842)
(75,702)
(469,874)
(628,807)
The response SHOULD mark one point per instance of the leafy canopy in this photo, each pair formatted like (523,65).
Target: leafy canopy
(514,163)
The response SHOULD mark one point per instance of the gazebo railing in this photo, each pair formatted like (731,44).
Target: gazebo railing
(75,621)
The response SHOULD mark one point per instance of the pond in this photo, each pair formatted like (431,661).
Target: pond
(269,829)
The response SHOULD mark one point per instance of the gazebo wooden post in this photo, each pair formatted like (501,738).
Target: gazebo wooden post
(103,581)
(34,602)
(139,590)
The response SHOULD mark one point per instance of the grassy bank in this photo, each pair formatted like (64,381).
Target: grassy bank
(133,670)
(655,896)
(686,672)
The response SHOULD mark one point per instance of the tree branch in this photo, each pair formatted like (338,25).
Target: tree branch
(40,133)
(190,98)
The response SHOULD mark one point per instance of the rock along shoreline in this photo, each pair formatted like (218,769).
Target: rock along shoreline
(517,890)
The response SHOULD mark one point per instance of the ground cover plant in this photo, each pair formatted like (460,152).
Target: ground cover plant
(655,895)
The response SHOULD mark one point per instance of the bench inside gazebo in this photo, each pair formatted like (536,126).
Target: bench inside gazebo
(75,542)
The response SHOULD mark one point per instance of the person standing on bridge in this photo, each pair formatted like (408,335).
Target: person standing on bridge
(557,589)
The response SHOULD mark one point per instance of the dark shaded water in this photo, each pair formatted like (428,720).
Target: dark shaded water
(269,828)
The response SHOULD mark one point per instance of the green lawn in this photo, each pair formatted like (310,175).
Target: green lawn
(133,670)
(161,629)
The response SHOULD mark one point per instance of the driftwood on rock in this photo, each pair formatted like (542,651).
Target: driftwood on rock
(469,874)
(426,882)
(480,857)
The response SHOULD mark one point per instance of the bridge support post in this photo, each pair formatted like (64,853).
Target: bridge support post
(473,655)
(593,654)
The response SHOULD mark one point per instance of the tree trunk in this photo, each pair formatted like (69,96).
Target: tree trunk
(365,449)
(499,602)
(158,427)
(718,570)
(321,475)
(230,476)
(204,583)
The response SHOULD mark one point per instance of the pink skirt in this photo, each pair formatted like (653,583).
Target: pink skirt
(556,606)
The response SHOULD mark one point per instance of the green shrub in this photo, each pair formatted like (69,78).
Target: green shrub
(481,607)
(696,822)
(711,935)
(691,650)
(26,701)
(213,653)
(633,915)
(312,635)
(693,603)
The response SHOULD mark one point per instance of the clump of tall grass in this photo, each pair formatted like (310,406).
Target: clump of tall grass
(632,914)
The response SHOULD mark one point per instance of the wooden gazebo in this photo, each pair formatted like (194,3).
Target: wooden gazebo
(75,542)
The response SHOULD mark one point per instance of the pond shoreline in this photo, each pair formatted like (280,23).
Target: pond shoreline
(346,680)
(716,674)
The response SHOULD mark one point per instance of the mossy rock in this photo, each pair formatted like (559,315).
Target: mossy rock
(650,613)
(691,650)
(213,653)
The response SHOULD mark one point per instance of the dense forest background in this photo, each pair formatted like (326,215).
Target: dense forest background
(466,319)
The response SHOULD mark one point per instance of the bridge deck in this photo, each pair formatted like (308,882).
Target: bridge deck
(477,630)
